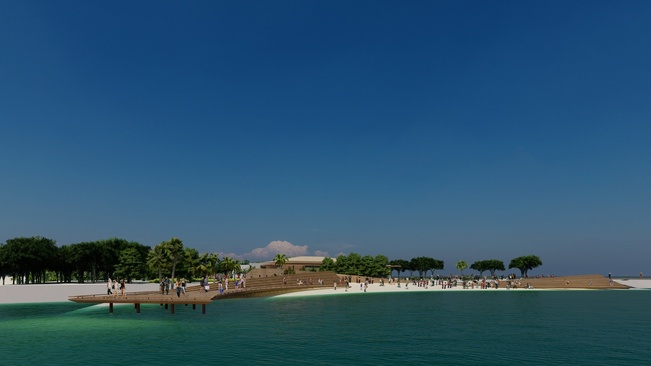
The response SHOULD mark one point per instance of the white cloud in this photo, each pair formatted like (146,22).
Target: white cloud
(230,255)
(268,252)
(277,247)
(321,253)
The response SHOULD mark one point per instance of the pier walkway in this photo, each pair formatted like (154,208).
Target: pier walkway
(150,297)
(255,286)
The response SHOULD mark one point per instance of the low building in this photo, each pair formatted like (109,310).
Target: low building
(302,263)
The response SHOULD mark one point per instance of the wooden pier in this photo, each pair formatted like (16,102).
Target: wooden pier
(195,295)
(151,297)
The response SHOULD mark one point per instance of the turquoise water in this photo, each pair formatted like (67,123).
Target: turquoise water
(443,328)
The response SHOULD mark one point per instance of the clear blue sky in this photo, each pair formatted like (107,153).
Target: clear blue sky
(455,130)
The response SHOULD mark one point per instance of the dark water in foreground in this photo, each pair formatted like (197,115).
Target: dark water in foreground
(443,328)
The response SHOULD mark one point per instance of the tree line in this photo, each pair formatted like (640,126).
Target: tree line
(380,266)
(38,260)
(355,264)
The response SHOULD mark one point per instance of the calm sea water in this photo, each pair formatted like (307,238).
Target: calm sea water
(433,328)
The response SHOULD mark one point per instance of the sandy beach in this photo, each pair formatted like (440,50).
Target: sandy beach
(59,292)
(376,288)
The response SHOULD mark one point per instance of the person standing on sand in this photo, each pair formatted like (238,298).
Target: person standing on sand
(610,278)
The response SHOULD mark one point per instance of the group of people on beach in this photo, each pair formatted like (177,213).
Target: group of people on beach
(510,282)
(113,287)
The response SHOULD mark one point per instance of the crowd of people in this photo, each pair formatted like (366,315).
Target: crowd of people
(113,288)
(165,285)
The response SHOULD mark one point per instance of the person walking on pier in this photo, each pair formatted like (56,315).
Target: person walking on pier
(123,288)
(109,284)
(178,288)
(204,284)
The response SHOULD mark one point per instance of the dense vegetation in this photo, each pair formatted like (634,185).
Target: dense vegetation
(354,264)
(38,259)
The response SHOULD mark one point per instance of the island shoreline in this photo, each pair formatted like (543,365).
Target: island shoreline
(60,292)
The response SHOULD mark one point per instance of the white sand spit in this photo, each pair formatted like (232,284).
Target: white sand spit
(59,292)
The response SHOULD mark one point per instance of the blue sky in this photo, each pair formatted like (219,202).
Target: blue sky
(455,130)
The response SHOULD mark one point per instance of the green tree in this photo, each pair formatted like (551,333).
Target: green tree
(327,264)
(109,252)
(341,264)
(433,265)
(131,264)
(493,265)
(173,250)
(212,260)
(87,258)
(354,264)
(420,264)
(206,264)
(4,263)
(399,265)
(189,266)
(525,264)
(65,265)
(280,260)
(156,260)
(366,266)
(461,265)
(229,265)
(28,259)
(411,267)
(380,269)
(479,266)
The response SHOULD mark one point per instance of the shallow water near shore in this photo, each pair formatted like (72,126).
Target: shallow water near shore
(455,328)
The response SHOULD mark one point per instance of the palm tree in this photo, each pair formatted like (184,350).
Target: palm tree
(205,265)
(190,261)
(156,260)
(228,264)
(280,260)
(173,249)
(461,265)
